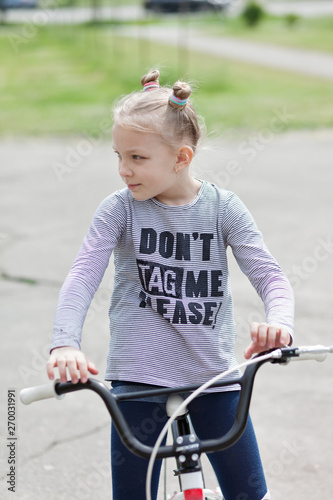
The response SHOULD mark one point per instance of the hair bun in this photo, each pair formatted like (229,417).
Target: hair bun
(181,91)
(152,76)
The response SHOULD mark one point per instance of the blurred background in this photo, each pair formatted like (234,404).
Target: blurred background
(262,74)
(63,62)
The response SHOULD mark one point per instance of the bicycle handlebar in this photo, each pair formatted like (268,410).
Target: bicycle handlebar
(46,391)
(317,352)
(281,355)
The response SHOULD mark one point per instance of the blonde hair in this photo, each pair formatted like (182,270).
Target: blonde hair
(152,111)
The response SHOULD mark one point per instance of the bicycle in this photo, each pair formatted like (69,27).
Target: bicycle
(186,448)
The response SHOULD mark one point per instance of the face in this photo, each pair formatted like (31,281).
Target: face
(147,164)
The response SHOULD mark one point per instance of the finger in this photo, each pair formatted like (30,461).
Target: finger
(272,336)
(82,364)
(250,350)
(262,335)
(50,365)
(72,368)
(247,353)
(92,368)
(61,364)
(284,337)
(254,331)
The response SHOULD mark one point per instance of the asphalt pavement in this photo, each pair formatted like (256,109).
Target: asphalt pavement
(49,191)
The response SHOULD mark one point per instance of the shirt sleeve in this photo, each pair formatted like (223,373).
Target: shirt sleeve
(87,271)
(256,262)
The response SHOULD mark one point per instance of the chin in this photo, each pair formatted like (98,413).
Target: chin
(140,196)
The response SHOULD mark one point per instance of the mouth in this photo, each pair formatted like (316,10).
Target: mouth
(132,186)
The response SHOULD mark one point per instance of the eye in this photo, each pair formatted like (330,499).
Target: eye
(116,152)
(137,157)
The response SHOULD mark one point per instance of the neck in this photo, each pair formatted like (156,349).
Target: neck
(183,192)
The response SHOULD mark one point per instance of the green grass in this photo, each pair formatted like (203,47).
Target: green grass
(63,80)
(311,34)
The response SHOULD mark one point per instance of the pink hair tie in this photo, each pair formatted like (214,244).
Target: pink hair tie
(151,85)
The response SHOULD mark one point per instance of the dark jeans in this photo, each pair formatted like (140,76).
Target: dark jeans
(238,469)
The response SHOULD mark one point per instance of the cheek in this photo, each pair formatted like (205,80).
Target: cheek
(166,168)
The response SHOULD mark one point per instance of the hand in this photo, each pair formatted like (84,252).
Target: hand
(265,337)
(74,360)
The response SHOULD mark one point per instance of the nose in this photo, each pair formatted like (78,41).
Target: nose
(124,169)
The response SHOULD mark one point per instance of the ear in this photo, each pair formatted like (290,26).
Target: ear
(184,157)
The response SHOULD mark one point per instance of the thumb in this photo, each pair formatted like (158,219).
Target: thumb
(92,368)
(249,351)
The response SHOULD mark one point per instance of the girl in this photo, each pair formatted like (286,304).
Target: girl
(171,313)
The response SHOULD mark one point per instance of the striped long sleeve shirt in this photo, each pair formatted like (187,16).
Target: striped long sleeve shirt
(171,310)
